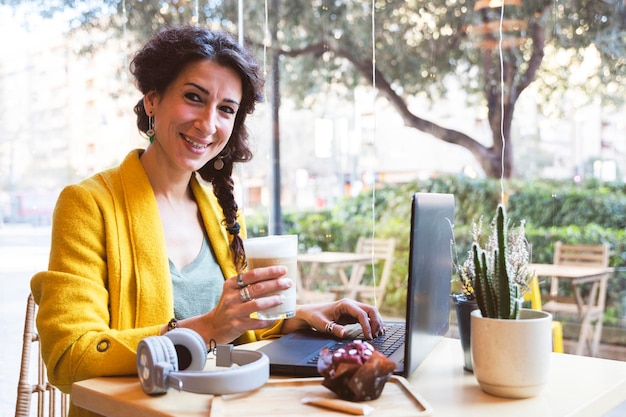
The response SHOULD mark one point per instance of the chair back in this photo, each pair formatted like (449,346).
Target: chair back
(50,400)
(380,250)
(534,294)
(586,255)
(579,255)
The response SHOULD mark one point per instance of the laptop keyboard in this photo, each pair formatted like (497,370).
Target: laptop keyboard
(386,343)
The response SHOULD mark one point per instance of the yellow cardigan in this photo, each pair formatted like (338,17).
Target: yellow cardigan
(108,281)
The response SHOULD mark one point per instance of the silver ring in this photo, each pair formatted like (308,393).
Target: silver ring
(244,295)
(240,282)
(329,327)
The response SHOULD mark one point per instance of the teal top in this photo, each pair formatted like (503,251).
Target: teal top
(198,286)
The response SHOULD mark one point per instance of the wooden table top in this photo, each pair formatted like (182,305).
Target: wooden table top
(579,386)
(568,271)
(334,257)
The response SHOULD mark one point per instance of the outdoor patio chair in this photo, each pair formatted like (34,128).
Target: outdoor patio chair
(534,296)
(581,255)
(382,252)
(51,401)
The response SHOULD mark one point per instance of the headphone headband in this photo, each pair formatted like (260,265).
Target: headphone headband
(158,366)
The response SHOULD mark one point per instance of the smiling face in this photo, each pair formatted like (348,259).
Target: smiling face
(195,115)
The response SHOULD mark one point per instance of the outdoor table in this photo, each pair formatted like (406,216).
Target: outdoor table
(588,310)
(338,261)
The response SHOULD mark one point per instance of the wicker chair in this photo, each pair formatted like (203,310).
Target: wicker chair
(50,401)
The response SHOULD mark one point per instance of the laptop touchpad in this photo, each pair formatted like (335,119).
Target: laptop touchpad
(294,347)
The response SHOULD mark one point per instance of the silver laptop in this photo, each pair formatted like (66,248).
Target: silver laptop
(427,305)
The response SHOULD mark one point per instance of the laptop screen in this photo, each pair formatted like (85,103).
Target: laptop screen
(427,302)
(430,274)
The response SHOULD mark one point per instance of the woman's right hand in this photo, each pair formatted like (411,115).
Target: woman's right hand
(242,295)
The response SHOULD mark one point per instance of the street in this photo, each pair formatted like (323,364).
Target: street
(23,251)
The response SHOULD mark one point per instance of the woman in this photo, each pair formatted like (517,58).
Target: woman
(148,246)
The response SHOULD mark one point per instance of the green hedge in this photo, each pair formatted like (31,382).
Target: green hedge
(583,213)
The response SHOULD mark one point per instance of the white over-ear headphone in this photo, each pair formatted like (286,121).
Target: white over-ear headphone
(177,360)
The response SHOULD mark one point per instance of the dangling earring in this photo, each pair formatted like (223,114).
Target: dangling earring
(219,163)
(150,131)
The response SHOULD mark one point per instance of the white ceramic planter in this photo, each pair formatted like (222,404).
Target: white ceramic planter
(511,358)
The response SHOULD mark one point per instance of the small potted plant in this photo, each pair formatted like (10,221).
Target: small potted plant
(497,268)
(464,296)
(510,346)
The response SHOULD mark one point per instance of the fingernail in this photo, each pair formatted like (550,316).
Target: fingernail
(285,281)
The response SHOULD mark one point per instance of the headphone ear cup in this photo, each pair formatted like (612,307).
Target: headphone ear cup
(190,349)
(178,360)
(156,358)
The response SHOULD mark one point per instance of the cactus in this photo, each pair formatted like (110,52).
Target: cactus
(499,273)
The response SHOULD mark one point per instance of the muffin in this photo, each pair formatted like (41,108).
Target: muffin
(356,372)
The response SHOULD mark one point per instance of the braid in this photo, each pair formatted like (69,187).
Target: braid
(223,187)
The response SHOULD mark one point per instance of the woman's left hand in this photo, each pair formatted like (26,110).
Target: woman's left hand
(332,318)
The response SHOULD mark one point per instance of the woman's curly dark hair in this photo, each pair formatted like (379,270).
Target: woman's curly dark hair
(158,64)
